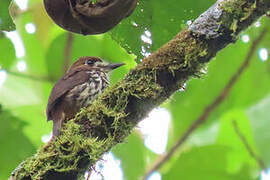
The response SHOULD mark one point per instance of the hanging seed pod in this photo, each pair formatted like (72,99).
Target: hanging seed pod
(85,17)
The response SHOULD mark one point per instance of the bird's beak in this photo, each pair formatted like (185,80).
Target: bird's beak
(114,66)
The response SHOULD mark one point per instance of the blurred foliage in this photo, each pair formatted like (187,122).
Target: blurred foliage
(6,23)
(6,46)
(213,152)
(11,128)
(130,162)
(207,162)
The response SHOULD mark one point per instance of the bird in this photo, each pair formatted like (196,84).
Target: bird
(85,80)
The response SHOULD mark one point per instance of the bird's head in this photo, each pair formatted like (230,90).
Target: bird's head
(91,62)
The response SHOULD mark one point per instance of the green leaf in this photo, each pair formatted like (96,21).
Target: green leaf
(259,116)
(34,49)
(206,163)
(35,117)
(6,22)
(27,95)
(44,25)
(113,52)
(24,99)
(132,155)
(7,55)
(238,156)
(15,145)
(163,19)
(128,32)
(169,17)
(101,46)
(54,57)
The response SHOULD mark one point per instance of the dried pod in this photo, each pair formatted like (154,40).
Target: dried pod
(85,17)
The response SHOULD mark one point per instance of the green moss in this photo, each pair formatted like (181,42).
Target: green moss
(203,53)
(233,7)
(186,55)
(106,122)
(72,146)
(65,153)
(237,11)
(234,25)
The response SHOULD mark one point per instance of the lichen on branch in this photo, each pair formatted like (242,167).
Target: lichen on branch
(111,118)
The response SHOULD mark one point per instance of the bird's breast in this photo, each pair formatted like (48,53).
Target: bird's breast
(83,95)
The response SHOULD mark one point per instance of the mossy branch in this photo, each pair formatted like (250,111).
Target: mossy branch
(163,158)
(111,118)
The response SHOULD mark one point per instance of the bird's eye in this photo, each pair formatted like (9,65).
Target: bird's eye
(90,62)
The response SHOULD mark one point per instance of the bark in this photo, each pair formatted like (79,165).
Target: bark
(110,119)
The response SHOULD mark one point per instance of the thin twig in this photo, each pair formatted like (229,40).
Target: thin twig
(89,175)
(247,146)
(210,108)
(67,52)
(27,76)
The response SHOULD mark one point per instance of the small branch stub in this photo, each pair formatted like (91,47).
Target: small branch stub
(85,17)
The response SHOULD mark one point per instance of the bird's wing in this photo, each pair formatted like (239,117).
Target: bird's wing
(66,83)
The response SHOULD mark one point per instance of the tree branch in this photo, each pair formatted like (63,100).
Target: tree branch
(67,52)
(161,160)
(110,119)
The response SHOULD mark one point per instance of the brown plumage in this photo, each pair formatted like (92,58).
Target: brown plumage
(83,82)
